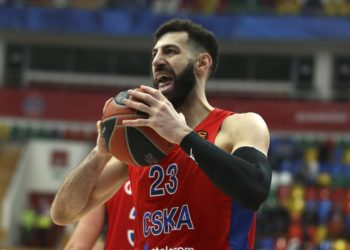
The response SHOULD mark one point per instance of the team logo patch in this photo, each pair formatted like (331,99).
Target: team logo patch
(203,134)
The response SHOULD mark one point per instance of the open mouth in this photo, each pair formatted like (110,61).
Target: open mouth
(164,81)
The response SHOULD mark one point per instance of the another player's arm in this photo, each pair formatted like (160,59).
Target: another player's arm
(91,183)
(87,231)
(238,164)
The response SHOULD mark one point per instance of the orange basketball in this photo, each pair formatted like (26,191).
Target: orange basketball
(133,145)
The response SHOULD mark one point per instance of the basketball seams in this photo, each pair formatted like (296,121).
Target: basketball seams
(122,106)
(150,139)
(138,147)
(135,116)
(128,146)
(112,134)
(110,118)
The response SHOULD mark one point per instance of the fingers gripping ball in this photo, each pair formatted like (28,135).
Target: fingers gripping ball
(133,145)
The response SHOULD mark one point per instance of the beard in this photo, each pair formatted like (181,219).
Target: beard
(182,85)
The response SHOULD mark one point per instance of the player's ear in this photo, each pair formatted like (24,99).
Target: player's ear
(203,62)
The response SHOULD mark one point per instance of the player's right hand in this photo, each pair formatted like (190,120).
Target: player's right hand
(100,142)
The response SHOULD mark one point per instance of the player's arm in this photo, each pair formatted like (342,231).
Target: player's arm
(238,164)
(91,183)
(87,231)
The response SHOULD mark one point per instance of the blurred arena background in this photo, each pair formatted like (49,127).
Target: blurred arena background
(288,60)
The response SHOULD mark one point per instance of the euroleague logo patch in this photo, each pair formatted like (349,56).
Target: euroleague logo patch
(203,134)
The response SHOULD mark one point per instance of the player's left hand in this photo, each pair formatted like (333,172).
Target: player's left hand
(163,117)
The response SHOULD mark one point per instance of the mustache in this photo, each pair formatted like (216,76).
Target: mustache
(164,68)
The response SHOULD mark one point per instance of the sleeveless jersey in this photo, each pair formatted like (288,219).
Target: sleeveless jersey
(178,207)
(120,220)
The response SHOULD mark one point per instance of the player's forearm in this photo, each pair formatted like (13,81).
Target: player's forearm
(245,175)
(75,191)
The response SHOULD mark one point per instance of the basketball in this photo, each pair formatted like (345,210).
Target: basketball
(138,146)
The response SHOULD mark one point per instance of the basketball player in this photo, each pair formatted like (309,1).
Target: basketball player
(205,193)
(120,224)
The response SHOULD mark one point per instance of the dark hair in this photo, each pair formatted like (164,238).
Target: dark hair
(196,33)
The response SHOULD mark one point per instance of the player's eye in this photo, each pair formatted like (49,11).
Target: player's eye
(170,51)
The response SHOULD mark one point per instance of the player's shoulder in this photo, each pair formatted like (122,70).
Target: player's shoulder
(249,120)
(247,129)
(243,129)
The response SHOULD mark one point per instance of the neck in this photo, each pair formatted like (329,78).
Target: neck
(196,107)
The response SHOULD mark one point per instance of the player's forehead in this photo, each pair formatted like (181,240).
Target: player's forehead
(178,39)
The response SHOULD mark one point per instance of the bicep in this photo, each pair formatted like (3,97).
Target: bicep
(248,130)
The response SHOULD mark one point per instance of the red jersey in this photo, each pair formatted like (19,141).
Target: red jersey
(120,220)
(178,207)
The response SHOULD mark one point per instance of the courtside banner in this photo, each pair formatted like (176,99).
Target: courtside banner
(87,106)
(295,115)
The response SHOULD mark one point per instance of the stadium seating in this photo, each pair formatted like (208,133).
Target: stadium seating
(282,7)
(310,198)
